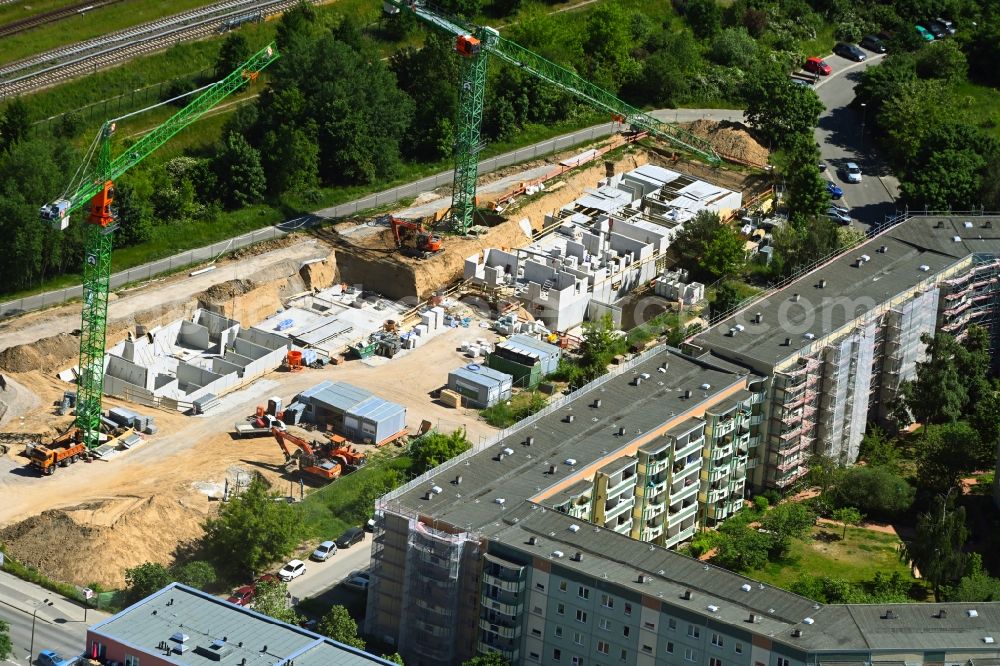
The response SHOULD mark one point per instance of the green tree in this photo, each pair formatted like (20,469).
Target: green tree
(725,254)
(235,51)
(489,659)
(662,81)
(949,180)
(945,453)
(291,159)
(727,296)
(704,16)
(135,216)
(240,174)
(272,598)
(780,110)
(601,343)
(785,522)
(708,247)
(733,47)
(947,62)
(296,27)
(6,646)
(251,531)
(198,573)
(742,549)
(430,77)
(395,657)
(938,394)
(805,188)
(907,118)
(435,448)
(976,585)
(875,491)
(143,580)
(849,516)
(880,450)
(876,85)
(340,626)
(607,47)
(936,549)
(15,123)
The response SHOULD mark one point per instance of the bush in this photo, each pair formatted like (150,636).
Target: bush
(875,491)
(507,413)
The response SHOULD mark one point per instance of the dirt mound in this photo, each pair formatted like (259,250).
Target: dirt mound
(47,355)
(320,274)
(95,542)
(730,140)
(226,290)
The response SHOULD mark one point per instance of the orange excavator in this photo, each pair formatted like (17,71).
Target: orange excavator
(309,460)
(413,239)
(345,454)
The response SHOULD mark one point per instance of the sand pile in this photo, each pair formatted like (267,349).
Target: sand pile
(16,400)
(95,542)
(46,355)
(730,140)
(228,289)
(320,274)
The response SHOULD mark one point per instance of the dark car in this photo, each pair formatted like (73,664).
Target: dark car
(935,28)
(850,51)
(873,44)
(350,537)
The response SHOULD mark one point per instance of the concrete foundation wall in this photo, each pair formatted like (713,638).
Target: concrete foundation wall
(188,374)
(265,338)
(128,371)
(222,367)
(120,388)
(265,363)
(249,349)
(193,335)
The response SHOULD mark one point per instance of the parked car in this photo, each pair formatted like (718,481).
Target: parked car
(358,581)
(853,172)
(242,596)
(935,28)
(801,82)
(948,25)
(817,66)
(822,166)
(873,44)
(324,551)
(833,190)
(850,51)
(350,537)
(838,214)
(265,578)
(50,658)
(923,32)
(293,569)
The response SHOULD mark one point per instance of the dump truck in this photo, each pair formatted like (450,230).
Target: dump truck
(63,451)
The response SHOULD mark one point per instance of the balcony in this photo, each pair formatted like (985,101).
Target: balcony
(686,470)
(752,463)
(720,452)
(719,472)
(681,536)
(498,606)
(623,528)
(514,586)
(619,508)
(621,486)
(756,419)
(650,533)
(656,466)
(757,398)
(691,447)
(789,463)
(512,655)
(789,479)
(689,487)
(510,633)
(723,427)
(682,513)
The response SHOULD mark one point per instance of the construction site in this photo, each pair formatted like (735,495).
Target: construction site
(295,358)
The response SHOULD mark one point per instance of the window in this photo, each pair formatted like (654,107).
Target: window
(607,601)
(671,624)
(562,586)
(782,661)
(695,632)
(716,640)
(624,655)
(560,609)
(648,649)
(540,586)
(578,638)
(670,648)
(536,632)
(604,623)
(628,609)
(577,661)
(537,610)
(603,647)
(689,654)
(583,592)
(581,616)
(557,631)
(534,656)
(131,661)
(714,661)
(649,625)
(739,648)
(626,631)
(556,654)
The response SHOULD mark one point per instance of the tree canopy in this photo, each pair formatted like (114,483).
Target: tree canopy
(435,448)
(340,626)
(272,598)
(141,581)
(936,548)
(875,491)
(6,646)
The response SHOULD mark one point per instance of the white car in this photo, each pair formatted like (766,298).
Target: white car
(324,551)
(293,569)
(853,173)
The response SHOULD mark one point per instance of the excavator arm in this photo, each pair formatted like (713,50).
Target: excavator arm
(282,436)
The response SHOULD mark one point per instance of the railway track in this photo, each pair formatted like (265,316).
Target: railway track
(21,25)
(61,64)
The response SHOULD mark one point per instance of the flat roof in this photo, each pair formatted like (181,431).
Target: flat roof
(482,375)
(849,290)
(215,627)
(376,409)
(591,437)
(338,395)
(525,344)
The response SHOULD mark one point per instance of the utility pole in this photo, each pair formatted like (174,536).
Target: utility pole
(34,617)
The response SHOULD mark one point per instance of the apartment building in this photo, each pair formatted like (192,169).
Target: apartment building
(551,544)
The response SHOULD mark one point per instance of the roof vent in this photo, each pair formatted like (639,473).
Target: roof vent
(796,633)
(687,393)
(988,224)
(808,620)
(822,284)
(941,614)
(532,541)
(757,318)
(889,615)
(637,381)
(180,637)
(795,298)
(924,268)
(508,451)
(621,431)
(687,595)
(809,336)
(428,495)
(644,375)
(552,469)
(788,342)
(570,461)
(967,224)
(557,553)
(642,578)
(939,225)
(458,480)
(988,640)
(578,557)
(436,490)
(574,528)
(705,387)
(865,257)
(529,441)
(753,618)
(883,249)
(957,239)
(500,500)
(713,609)
(597,403)
(570,418)
(746,587)
(972,612)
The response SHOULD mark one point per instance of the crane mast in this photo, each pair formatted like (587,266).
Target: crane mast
(475,44)
(98,191)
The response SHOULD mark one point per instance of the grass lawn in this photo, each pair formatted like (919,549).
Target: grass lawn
(857,558)
(982,104)
(820,45)
(330,510)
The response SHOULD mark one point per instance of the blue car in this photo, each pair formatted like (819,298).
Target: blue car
(834,191)
(925,33)
(51,658)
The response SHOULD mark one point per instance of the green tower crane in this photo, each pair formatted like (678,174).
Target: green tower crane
(96,188)
(475,44)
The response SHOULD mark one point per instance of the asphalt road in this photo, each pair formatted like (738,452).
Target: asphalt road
(320,577)
(841,140)
(58,623)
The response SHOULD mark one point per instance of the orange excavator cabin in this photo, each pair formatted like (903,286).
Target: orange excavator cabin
(467,46)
